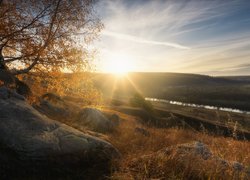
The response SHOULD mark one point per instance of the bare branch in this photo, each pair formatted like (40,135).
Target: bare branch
(8,59)
(26,70)
(40,15)
(44,33)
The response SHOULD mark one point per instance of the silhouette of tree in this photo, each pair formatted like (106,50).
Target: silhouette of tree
(46,35)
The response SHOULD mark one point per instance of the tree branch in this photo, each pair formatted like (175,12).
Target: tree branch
(35,19)
(26,70)
(2,63)
(8,59)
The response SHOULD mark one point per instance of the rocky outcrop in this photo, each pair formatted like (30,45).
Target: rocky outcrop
(32,145)
(6,93)
(9,80)
(56,108)
(82,118)
(192,160)
(194,148)
(183,152)
(94,120)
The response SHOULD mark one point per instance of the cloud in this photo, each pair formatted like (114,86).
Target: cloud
(183,36)
(142,40)
(237,70)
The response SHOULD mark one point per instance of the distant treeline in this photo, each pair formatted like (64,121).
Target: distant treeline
(231,92)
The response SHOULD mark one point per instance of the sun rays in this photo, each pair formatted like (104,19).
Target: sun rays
(119,64)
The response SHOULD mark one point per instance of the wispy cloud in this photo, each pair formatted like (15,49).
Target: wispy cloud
(142,40)
(231,70)
(183,36)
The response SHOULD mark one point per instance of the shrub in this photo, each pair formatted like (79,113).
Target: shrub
(137,100)
(78,85)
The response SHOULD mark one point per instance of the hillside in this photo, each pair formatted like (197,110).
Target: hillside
(191,88)
(243,79)
(61,138)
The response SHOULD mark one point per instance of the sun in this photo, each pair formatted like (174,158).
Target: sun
(118,64)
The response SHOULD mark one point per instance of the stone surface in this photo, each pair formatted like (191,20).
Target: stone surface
(56,108)
(6,93)
(22,88)
(94,120)
(196,148)
(32,144)
(142,131)
(192,160)
(115,119)
(183,152)
(7,78)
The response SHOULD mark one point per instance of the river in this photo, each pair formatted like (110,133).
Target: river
(197,105)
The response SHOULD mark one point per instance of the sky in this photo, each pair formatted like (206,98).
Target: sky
(189,36)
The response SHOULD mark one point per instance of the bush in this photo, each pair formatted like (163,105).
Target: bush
(116,102)
(78,85)
(137,100)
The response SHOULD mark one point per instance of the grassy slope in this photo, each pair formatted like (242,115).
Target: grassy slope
(215,121)
(139,153)
(140,158)
(228,119)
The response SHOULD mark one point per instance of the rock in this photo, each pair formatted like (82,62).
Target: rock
(196,148)
(56,108)
(10,80)
(22,88)
(54,111)
(183,151)
(67,112)
(94,120)
(221,162)
(192,160)
(6,93)
(142,131)
(32,145)
(237,166)
(115,119)
(172,121)
(52,97)
(7,78)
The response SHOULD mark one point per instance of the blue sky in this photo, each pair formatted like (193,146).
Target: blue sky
(193,36)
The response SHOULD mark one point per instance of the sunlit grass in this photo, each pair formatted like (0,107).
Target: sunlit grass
(141,160)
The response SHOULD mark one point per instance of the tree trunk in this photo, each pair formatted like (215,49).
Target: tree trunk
(2,64)
(5,75)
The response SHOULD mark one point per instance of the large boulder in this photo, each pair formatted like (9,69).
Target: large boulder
(95,120)
(32,145)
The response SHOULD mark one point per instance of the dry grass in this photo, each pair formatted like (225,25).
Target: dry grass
(141,158)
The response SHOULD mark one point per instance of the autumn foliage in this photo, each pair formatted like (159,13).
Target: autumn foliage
(45,36)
